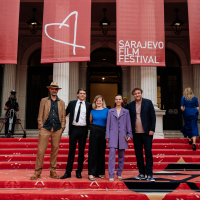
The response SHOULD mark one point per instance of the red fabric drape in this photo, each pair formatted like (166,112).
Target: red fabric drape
(194,30)
(9,26)
(66,31)
(140,33)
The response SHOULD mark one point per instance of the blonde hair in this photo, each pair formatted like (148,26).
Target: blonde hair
(188,94)
(94,106)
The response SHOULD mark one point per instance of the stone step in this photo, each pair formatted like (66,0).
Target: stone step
(173,134)
(33,133)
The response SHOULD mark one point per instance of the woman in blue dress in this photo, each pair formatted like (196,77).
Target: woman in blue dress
(97,141)
(190,108)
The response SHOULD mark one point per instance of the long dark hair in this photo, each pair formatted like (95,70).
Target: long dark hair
(122,104)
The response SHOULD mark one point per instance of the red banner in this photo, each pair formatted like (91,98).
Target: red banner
(194,30)
(140,33)
(66,31)
(9,23)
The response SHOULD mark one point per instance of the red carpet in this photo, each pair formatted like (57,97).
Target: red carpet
(176,170)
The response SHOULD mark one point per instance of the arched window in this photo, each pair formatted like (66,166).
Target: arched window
(171,59)
(103,57)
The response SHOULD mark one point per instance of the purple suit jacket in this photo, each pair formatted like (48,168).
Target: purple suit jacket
(117,128)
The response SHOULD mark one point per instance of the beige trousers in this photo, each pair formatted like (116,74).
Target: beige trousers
(43,142)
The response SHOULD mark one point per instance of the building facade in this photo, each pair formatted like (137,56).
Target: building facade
(163,85)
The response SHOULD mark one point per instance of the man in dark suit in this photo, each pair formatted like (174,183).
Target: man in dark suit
(143,121)
(79,111)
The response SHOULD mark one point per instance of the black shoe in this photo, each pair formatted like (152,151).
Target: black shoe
(78,175)
(190,141)
(11,136)
(194,147)
(66,175)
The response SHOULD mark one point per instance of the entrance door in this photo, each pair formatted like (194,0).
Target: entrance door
(38,78)
(105,81)
(169,92)
(103,76)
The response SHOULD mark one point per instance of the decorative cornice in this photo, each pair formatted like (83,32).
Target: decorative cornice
(185,67)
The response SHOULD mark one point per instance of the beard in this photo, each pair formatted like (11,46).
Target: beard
(54,94)
(138,99)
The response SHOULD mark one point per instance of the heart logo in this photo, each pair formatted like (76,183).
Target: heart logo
(63,24)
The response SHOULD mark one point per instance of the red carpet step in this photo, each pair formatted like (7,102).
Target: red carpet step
(128,158)
(66,140)
(20,153)
(94,195)
(16,185)
(34,145)
(176,170)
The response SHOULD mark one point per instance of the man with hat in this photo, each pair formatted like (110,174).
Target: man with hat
(51,123)
(10,104)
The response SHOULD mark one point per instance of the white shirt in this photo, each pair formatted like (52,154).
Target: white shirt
(82,117)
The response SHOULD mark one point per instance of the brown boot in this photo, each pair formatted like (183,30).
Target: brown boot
(35,177)
(54,175)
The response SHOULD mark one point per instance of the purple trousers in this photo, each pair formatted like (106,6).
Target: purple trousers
(111,162)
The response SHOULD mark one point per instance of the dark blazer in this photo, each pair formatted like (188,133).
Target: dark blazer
(148,116)
(71,109)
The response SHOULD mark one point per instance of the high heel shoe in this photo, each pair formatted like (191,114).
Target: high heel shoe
(91,178)
(194,147)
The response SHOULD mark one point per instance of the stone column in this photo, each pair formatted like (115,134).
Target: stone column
(73,80)
(22,94)
(149,86)
(126,83)
(82,75)
(9,83)
(186,77)
(135,78)
(61,76)
(196,83)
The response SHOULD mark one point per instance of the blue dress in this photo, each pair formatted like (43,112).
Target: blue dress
(99,117)
(190,116)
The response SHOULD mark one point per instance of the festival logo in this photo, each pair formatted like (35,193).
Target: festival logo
(130,51)
(66,31)
(66,25)
(140,33)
